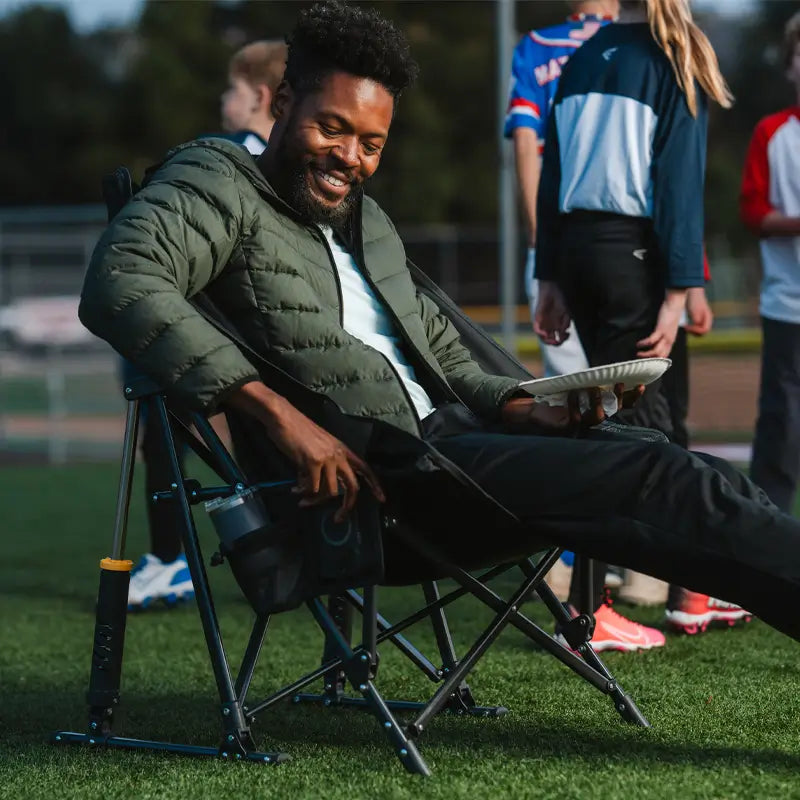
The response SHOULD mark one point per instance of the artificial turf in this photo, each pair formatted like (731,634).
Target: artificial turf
(724,706)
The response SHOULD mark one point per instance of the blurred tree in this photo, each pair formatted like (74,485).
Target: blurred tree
(56,109)
(172,91)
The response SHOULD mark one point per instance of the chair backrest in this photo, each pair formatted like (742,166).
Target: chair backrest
(118,189)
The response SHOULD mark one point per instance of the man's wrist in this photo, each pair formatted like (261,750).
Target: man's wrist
(258,400)
(516,408)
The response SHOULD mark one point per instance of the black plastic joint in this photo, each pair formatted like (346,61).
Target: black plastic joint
(578,631)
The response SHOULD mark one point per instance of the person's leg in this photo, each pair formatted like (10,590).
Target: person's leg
(163,518)
(655,508)
(775,464)
(614,298)
(675,385)
(643,589)
(613,283)
(162,574)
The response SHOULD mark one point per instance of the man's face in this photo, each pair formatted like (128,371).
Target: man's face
(327,143)
(238,104)
(793,72)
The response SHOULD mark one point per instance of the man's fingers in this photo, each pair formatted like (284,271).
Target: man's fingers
(330,479)
(312,478)
(631,396)
(363,470)
(574,408)
(349,483)
(595,414)
(619,393)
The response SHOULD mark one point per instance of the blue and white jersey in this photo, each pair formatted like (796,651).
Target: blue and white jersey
(538,61)
(621,139)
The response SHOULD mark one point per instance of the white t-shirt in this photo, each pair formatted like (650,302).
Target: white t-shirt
(363,316)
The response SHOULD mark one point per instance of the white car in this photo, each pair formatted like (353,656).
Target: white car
(40,322)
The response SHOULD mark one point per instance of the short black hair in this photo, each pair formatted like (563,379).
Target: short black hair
(335,37)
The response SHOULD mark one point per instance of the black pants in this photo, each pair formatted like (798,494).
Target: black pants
(776,448)
(164,519)
(675,386)
(687,518)
(613,283)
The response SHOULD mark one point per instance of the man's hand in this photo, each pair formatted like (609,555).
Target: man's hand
(326,467)
(659,343)
(701,317)
(551,318)
(528,415)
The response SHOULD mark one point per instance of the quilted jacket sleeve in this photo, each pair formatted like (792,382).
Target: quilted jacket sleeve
(167,244)
(483,393)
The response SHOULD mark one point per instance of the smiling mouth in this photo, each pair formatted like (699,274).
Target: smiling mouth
(328,178)
(329,185)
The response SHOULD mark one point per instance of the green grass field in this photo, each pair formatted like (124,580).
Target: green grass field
(724,706)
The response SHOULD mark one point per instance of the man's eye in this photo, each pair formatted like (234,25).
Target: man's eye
(327,130)
(371,149)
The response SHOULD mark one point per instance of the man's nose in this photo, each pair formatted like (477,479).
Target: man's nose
(346,150)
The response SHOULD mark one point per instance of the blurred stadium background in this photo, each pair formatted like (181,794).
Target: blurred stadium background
(84,93)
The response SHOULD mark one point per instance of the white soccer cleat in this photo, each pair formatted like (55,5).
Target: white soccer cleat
(152,579)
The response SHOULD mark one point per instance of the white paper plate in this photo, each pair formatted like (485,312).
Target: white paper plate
(629,373)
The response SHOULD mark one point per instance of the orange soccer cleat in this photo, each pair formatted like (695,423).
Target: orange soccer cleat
(692,612)
(612,631)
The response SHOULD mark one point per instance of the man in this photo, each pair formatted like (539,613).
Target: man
(314,276)
(538,60)
(770,206)
(253,76)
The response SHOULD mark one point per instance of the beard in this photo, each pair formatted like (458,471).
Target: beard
(303,200)
(292,181)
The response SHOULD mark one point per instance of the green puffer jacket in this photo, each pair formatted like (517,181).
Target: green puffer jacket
(207,220)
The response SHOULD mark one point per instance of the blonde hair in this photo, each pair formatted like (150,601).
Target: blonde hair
(689,52)
(260,62)
(791,38)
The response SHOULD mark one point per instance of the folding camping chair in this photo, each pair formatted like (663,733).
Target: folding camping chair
(342,661)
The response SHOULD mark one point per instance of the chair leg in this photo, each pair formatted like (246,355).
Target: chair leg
(334,681)
(111,616)
(112,603)
(359,668)
(578,632)
(462,700)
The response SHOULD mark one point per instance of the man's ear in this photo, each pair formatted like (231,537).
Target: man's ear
(282,100)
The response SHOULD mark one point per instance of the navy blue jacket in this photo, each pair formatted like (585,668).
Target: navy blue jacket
(621,139)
